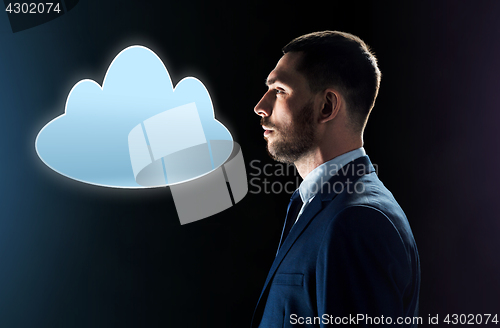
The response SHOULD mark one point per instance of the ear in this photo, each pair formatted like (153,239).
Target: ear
(332,101)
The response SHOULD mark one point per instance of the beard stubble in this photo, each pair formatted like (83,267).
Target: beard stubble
(293,141)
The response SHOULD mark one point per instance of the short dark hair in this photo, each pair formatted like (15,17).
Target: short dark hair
(341,60)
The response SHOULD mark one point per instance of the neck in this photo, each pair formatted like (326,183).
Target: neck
(320,155)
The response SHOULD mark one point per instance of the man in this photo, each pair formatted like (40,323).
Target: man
(347,255)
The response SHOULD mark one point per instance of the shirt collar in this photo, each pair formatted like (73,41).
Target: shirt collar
(315,179)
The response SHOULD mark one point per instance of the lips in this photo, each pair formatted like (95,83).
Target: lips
(267,131)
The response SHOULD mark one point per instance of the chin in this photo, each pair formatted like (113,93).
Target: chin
(278,157)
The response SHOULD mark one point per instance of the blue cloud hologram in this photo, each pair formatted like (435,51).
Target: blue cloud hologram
(89,142)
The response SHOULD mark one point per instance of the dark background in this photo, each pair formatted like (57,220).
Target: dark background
(76,255)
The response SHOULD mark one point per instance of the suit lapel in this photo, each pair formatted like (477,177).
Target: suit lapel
(309,213)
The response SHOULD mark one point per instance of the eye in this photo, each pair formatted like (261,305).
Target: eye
(279,91)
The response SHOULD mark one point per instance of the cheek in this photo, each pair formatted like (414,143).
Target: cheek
(283,115)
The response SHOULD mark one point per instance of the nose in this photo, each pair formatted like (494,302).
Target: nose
(264,107)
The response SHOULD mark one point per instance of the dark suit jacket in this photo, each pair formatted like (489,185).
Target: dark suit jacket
(350,253)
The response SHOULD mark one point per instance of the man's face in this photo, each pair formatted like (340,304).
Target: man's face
(287,111)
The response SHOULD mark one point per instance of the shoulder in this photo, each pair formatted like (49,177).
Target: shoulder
(368,199)
(362,235)
(362,223)
(368,214)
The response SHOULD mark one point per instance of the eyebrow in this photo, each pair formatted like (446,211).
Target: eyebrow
(273,80)
(267,82)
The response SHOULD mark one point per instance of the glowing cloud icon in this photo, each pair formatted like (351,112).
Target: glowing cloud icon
(138,131)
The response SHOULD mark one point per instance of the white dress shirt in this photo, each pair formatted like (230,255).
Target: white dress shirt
(316,178)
